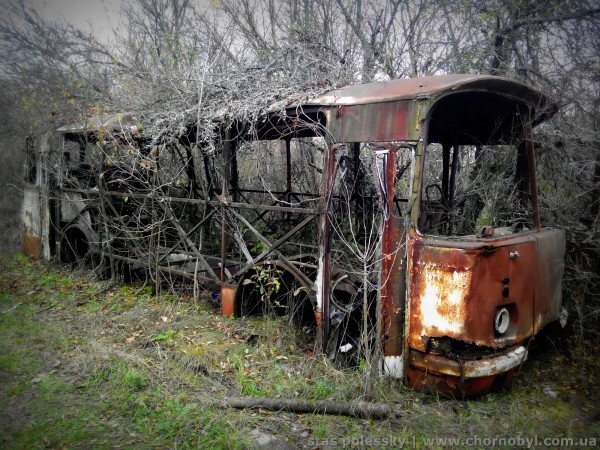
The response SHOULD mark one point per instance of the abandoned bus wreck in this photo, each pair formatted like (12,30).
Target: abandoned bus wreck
(401,216)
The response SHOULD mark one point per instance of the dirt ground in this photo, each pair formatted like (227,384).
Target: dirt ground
(85,364)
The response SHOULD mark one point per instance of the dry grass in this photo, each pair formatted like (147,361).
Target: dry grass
(83,366)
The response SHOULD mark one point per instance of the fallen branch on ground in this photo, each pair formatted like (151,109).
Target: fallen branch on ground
(362,410)
(10,309)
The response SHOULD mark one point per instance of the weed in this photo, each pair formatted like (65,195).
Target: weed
(105,373)
(51,388)
(266,281)
(135,381)
(321,431)
(49,280)
(249,388)
(17,389)
(18,363)
(93,306)
(323,390)
(21,258)
(217,432)
(168,298)
(164,336)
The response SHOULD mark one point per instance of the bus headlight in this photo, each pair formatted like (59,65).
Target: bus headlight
(501,321)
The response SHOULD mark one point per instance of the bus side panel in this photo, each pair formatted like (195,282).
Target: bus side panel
(35,221)
(550,269)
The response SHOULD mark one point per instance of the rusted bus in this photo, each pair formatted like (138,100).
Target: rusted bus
(464,297)
(407,206)
(473,283)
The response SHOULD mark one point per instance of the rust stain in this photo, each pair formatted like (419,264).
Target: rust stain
(318,317)
(458,289)
(456,292)
(371,122)
(442,309)
(453,387)
(32,246)
(227,301)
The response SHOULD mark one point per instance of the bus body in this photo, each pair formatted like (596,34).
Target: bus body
(408,207)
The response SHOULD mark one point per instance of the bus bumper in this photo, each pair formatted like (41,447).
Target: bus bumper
(463,378)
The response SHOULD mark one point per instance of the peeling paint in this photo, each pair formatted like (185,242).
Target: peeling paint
(319,285)
(35,219)
(442,305)
(394,366)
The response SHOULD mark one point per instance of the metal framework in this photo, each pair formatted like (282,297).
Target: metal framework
(350,210)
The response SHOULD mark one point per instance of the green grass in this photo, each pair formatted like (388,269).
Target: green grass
(84,366)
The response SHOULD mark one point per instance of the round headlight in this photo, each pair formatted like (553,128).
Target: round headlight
(501,321)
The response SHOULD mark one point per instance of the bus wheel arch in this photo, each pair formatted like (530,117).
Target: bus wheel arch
(273,288)
(76,245)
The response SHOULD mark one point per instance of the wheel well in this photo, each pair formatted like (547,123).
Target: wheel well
(270,289)
(75,245)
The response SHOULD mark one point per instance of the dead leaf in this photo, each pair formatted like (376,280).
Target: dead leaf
(39,378)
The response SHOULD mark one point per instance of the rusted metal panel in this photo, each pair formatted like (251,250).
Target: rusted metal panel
(227,301)
(470,368)
(31,223)
(486,297)
(457,292)
(32,245)
(455,387)
(372,122)
(323,278)
(550,269)
(425,87)
(35,220)
(392,287)
(392,279)
(411,88)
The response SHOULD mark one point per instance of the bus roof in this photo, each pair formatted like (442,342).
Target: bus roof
(431,86)
(413,88)
(108,122)
(371,93)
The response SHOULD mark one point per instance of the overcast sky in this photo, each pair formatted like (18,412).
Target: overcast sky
(101,16)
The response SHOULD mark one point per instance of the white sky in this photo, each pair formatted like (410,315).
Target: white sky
(99,16)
